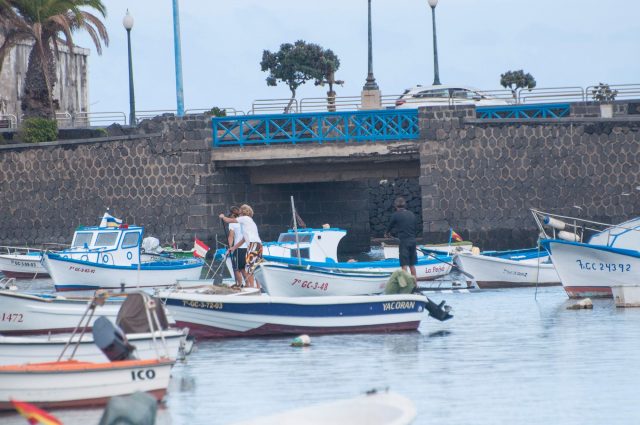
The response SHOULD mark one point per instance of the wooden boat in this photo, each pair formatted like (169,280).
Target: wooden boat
(22,263)
(291,280)
(109,258)
(376,408)
(509,269)
(81,384)
(611,257)
(220,316)
(427,268)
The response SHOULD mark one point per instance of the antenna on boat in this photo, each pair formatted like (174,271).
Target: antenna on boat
(295,229)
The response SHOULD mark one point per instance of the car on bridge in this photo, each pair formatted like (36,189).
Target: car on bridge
(447,95)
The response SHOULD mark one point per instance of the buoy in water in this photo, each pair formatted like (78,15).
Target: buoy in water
(582,304)
(301,341)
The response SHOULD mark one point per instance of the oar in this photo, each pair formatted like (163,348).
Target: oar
(470,276)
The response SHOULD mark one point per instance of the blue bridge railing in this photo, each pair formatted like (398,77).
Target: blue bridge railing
(551,110)
(355,126)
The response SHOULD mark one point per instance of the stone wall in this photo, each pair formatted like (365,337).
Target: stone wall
(482,177)
(71,88)
(382,193)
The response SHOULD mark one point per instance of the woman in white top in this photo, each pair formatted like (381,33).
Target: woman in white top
(251,236)
(238,256)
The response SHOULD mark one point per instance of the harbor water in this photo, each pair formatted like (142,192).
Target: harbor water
(508,356)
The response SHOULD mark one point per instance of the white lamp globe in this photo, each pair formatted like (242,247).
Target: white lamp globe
(433,3)
(127,21)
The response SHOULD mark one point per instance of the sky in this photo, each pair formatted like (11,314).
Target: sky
(560,42)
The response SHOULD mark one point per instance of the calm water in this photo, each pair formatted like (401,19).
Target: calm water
(505,358)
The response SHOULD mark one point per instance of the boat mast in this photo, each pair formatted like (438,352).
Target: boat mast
(295,230)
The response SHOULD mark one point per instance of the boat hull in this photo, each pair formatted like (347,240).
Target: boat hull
(38,349)
(71,274)
(492,272)
(79,384)
(220,317)
(591,270)
(21,266)
(281,280)
(626,295)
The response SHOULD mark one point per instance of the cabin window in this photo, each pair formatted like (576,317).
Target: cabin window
(81,239)
(304,253)
(291,237)
(130,240)
(106,239)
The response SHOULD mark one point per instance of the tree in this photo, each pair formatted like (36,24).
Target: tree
(514,80)
(603,93)
(44,22)
(295,64)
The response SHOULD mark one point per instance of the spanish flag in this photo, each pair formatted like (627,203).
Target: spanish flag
(35,415)
(456,237)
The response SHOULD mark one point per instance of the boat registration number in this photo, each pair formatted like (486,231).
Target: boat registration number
(604,267)
(203,304)
(23,263)
(143,374)
(12,317)
(320,286)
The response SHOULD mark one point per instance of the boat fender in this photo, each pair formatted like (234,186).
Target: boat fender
(438,311)
(475,251)
(585,304)
(568,236)
(301,341)
(554,222)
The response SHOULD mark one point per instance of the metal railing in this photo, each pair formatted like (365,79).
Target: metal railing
(93,119)
(624,91)
(534,111)
(228,110)
(356,126)
(263,106)
(550,94)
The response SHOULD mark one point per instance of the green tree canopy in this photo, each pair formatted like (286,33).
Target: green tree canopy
(514,80)
(48,24)
(295,64)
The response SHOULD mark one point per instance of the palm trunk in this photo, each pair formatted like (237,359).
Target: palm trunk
(37,99)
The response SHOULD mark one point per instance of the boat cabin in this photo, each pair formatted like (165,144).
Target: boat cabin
(106,245)
(314,244)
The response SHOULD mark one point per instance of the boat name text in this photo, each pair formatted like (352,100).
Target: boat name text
(435,269)
(515,273)
(143,375)
(310,285)
(23,263)
(399,305)
(604,267)
(203,304)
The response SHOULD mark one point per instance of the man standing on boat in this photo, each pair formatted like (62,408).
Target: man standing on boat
(238,257)
(403,226)
(251,237)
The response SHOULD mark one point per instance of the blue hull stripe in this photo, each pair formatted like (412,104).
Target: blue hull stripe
(329,270)
(628,252)
(154,265)
(389,263)
(296,310)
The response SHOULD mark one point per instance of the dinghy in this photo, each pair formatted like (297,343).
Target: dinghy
(374,408)
(220,316)
(509,269)
(109,258)
(291,280)
(22,263)
(611,257)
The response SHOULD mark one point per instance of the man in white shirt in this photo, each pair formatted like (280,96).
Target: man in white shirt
(251,236)
(238,257)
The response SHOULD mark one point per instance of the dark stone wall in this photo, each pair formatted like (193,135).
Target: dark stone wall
(481,177)
(382,193)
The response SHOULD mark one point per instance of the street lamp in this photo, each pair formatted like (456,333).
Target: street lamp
(178,58)
(436,77)
(371,81)
(127,22)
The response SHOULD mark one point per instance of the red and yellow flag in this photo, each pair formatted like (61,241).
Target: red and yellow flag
(456,237)
(34,414)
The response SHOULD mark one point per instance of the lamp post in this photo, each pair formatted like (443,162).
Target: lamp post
(371,81)
(178,58)
(127,22)
(436,77)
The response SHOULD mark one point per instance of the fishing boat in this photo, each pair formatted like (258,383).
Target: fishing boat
(427,267)
(109,258)
(373,408)
(22,263)
(392,250)
(292,280)
(68,382)
(220,316)
(610,257)
(509,269)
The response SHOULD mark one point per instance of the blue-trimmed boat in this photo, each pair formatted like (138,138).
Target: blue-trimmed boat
(590,269)
(220,316)
(109,257)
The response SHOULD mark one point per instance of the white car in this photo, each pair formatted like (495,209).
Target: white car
(443,95)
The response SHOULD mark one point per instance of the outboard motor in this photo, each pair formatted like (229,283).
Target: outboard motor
(111,340)
(438,311)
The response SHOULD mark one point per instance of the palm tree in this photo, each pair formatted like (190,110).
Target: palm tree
(44,22)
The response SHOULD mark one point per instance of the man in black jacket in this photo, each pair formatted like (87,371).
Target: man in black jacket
(403,226)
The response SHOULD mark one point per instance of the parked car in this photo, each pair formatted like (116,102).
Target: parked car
(447,95)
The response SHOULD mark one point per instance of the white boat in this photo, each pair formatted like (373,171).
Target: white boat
(291,280)
(611,257)
(509,269)
(47,348)
(626,295)
(220,316)
(22,263)
(81,384)
(109,258)
(376,408)
(392,250)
